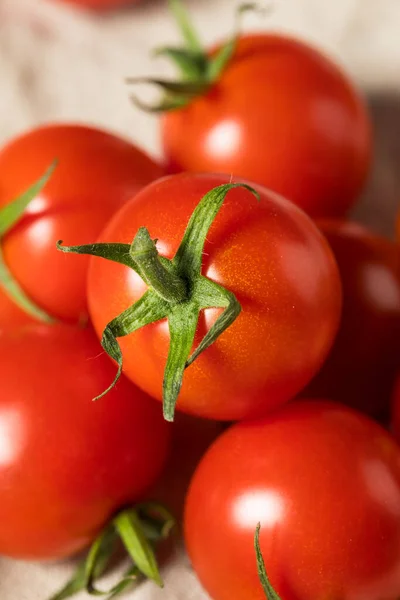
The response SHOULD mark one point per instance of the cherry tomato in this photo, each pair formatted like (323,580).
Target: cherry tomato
(282,115)
(324,482)
(361,367)
(66,463)
(97,173)
(270,255)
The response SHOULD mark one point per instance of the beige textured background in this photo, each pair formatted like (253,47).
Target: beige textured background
(57,63)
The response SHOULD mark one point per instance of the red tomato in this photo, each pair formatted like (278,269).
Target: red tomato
(362,365)
(97,173)
(324,482)
(66,463)
(271,256)
(283,115)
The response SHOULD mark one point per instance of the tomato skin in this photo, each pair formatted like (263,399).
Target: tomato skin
(270,255)
(97,173)
(282,115)
(363,362)
(66,463)
(324,482)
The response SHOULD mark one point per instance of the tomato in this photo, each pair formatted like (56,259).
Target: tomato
(361,367)
(283,115)
(97,173)
(66,463)
(270,255)
(324,482)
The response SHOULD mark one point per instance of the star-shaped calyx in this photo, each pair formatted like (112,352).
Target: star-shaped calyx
(177,292)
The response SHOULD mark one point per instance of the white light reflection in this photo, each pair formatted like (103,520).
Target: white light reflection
(382,486)
(264,506)
(382,287)
(10,437)
(223,139)
(37,205)
(41,231)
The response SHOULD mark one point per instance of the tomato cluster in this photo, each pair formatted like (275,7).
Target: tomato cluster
(230,285)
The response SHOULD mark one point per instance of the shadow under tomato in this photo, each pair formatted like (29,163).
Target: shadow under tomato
(381,200)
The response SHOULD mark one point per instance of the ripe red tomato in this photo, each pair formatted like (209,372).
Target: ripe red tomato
(324,482)
(97,173)
(270,255)
(282,115)
(66,463)
(361,367)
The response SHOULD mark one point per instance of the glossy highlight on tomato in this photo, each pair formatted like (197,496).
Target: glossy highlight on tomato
(97,173)
(324,482)
(282,115)
(270,255)
(68,464)
(364,360)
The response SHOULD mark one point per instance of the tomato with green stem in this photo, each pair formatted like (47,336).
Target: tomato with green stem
(363,362)
(324,482)
(267,108)
(68,465)
(96,174)
(242,302)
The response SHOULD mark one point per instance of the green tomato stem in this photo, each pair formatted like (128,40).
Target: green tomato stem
(177,292)
(10,215)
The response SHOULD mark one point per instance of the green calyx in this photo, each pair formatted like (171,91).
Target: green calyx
(9,216)
(270,593)
(198,71)
(140,530)
(177,292)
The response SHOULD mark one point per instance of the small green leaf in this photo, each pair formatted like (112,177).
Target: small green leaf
(156,272)
(18,296)
(192,65)
(12,212)
(157,521)
(184,23)
(182,322)
(209,293)
(177,93)
(148,309)
(92,567)
(220,61)
(166,105)
(76,584)
(190,253)
(119,253)
(180,88)
(9,217)
(131,532)
(270,593)
(140,529)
